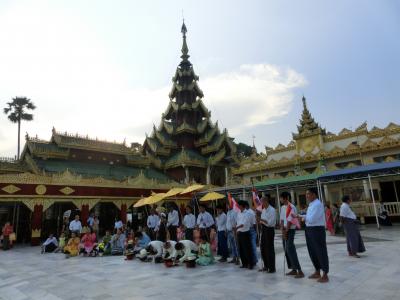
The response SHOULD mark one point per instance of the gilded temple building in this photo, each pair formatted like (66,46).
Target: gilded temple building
(314,151)
(74,172)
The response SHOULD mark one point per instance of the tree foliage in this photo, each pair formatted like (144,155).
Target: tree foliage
(244,150)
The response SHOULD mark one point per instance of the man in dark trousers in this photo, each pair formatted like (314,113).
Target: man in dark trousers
(243,236)
(288,221)
(267,248)
(316,236)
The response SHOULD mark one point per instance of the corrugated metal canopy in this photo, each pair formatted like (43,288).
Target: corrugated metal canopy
(292,179)
(361,170)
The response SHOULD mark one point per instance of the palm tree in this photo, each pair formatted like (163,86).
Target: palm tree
(16,112)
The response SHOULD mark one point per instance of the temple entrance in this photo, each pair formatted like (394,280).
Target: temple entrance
(20,218)
(108,213)
(390,191)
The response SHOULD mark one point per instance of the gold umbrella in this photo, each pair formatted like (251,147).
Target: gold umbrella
(173,192)
(192,188)
(212,196)
(141,202)
(155,198)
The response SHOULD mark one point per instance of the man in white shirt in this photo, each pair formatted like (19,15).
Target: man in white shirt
(204,221)
(173,222)
(288,233)
(50,244)
(231,220)
(354,241)
(316,236)
(267,247)
(189,222)
(76,226)
(152,222)
(155,248)
(169,249)
(221,229)
(243,235)
(253,233)
(185,249)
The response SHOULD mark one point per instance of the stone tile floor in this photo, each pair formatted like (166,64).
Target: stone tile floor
(26,274)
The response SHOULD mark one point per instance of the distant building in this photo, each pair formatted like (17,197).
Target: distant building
(315,151)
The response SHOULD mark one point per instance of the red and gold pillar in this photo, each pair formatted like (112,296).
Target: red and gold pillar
(36,224)
(84,214)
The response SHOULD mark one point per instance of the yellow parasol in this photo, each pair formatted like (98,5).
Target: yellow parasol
(141,202)
(155,198)
(192,188)
(212,196)
(173,192)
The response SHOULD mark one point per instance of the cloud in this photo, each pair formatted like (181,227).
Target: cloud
(70,75)
(252,95)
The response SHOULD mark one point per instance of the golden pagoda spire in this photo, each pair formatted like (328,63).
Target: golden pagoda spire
(307,126)
(185,50)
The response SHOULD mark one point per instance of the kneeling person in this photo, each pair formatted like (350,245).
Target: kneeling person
(186,249)
(155,248)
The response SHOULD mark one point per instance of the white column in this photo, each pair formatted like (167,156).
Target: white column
(373,201)
(326,192)
(292,197)
(208,175)
(226,176)
(366,190)
(395,191)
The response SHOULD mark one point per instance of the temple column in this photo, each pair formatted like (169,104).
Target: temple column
(208,175)
(84,214)
(226,176)
(123,211)
(36,224)
(187,179)
(326,192)
(292,197)
(366,191)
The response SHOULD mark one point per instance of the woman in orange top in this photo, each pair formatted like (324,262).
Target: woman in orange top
(72,247)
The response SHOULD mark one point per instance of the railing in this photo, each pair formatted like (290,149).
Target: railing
(367,209)
(8,160)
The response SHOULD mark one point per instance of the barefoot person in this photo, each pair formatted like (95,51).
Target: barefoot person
(316,236)
(354,241)
(288,224)
(267,248)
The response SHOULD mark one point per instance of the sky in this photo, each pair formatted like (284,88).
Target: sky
(104,68)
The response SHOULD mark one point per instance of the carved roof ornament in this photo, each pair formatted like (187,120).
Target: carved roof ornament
(362,127)
(345,131)
(307,126)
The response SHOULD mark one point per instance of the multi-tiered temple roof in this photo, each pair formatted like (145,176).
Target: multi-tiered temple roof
(307,126)
(186,140)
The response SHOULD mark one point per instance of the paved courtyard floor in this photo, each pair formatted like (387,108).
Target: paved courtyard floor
(26,274)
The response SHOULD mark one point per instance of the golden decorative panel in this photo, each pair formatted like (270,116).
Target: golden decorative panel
(67,190)
(41,189)
(36,233)
(11,189)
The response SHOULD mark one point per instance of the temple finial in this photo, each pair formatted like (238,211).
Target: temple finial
(304,102)
(185,49)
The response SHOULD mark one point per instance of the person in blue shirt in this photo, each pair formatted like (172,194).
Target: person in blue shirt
(142,240)
(316,236)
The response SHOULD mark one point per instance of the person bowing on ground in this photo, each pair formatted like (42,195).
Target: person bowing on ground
(185,249)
